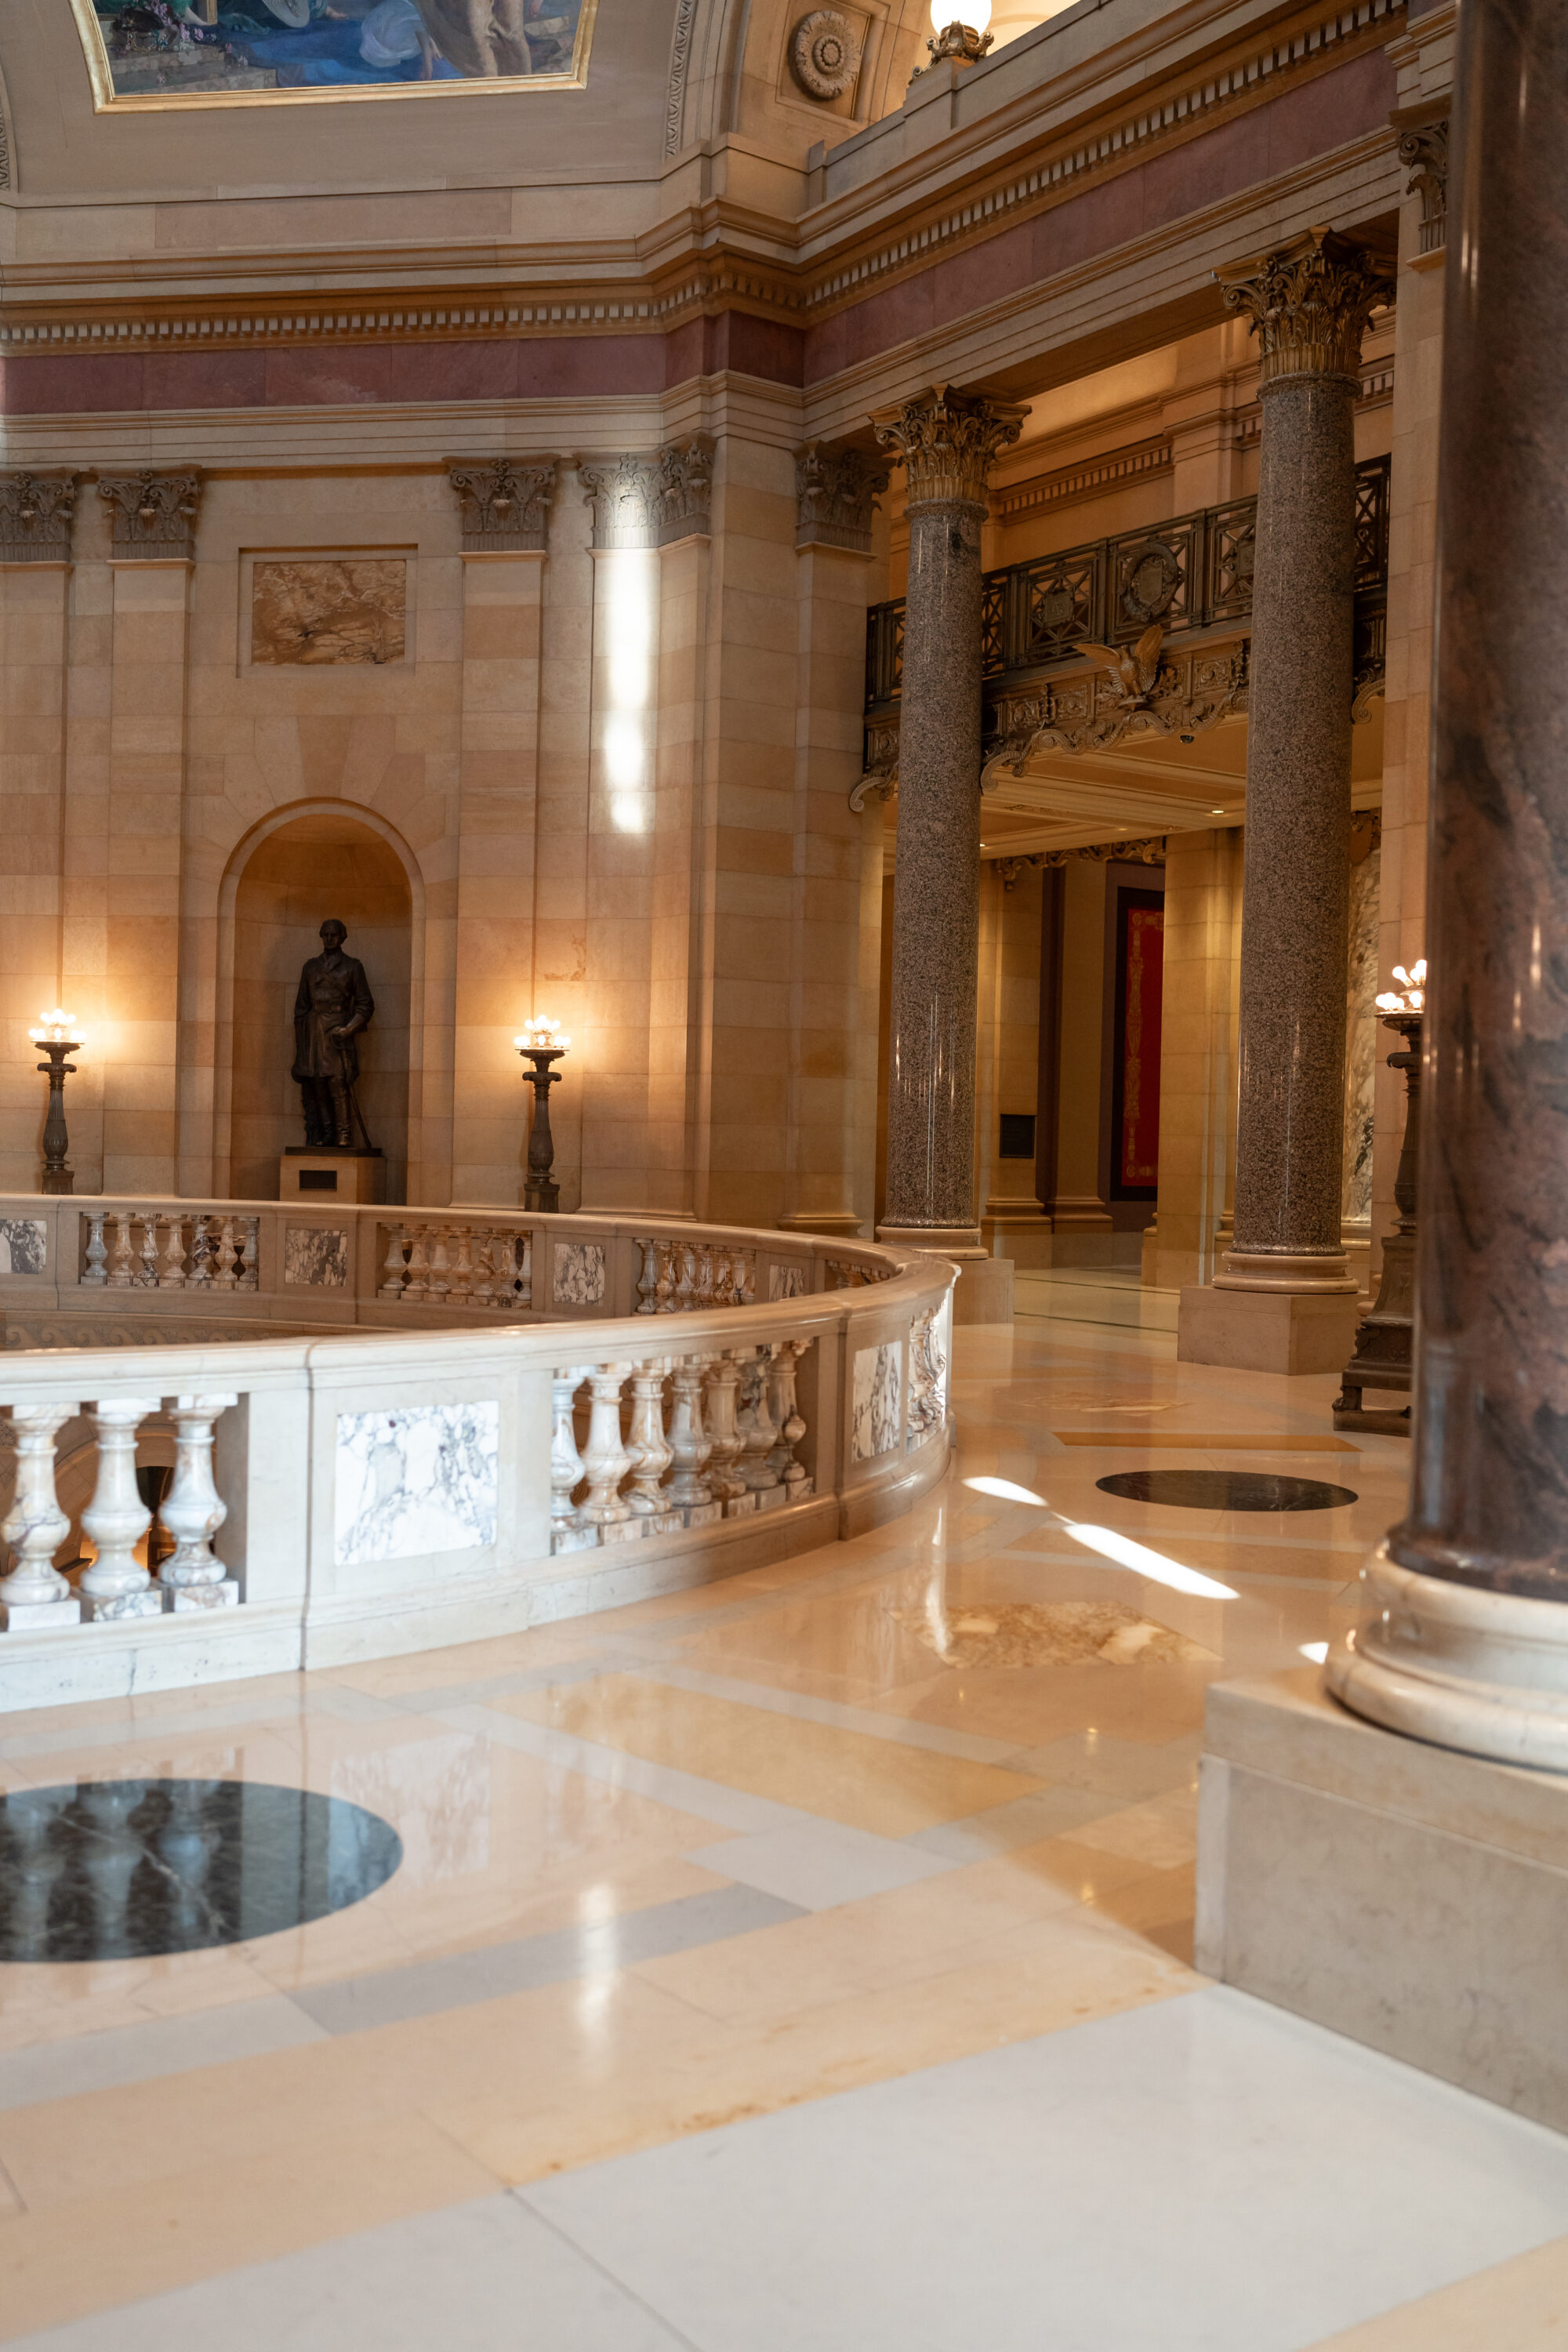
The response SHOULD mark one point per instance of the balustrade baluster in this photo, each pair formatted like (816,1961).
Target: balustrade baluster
(663,1289)
(686,1283)
(787,1423)
(116,1585)
(122,1268)
(747,1283)
(570,1529)
(248,1258)
(225,1278)
(97,1254)
(147,1277)
(201,1253)
(605,1458)
(482,1289)
(437,1282)
(192,1511)
(463,1270)
(704,1289)
(398,1243)
(651,1452)
(520,1259)
(647,1278)
(171,1273)
(690,1446)
(723,1477)
(33,1596)
(418,1285)
(757,1432)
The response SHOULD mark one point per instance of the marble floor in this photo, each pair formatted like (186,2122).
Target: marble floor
(802,1962)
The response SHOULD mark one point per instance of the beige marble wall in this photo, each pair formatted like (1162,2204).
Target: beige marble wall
(34,617)
(1008,1073)
(1197,1053)
(1079,1206)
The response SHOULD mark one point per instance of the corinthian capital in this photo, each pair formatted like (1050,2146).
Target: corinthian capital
(1308,302)
(947,440)
(35,511)
(155,513)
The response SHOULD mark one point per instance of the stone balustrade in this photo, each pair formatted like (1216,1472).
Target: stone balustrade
(324,1446)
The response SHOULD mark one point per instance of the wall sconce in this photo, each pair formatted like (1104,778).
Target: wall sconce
(540,1043)
(968,41)
(54,1034)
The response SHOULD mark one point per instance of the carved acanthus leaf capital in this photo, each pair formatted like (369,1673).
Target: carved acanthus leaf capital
(946,441)
(836,492)
(652,501)
(153,514)
(36,514)
(1424,150)
(505,503)
(1308,302)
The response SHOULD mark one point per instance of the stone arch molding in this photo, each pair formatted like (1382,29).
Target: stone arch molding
(216,1155)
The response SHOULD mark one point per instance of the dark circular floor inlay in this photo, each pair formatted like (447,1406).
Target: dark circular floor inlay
(1226,1490)
(126,1870)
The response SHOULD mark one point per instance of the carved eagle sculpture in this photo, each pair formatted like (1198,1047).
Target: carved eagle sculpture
(1132,672)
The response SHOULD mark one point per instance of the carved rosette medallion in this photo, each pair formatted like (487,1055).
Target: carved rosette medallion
(947,440)
(505,504)
(1308,302)
(152,514)
(837,495)
(824,53)
(36,512)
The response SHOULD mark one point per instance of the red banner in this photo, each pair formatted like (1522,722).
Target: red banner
(1142,979)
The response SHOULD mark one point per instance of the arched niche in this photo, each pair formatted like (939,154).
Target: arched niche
(302,869)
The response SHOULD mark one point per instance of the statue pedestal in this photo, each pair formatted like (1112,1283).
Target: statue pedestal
(319,1173)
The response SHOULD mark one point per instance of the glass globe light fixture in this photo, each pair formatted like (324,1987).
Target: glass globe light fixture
(976,14)
(967,40)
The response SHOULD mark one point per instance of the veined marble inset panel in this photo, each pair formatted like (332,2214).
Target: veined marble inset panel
(23,1244)
(316,1256)
(579,1274)
(788,1282)
(322,611)
(421,1479)
(878,1394)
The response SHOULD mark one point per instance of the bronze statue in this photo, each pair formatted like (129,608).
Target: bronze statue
(334,1004)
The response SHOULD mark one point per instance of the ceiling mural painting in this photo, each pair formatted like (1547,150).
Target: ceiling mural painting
(160,53)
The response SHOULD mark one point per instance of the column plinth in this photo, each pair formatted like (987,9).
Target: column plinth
(946,440)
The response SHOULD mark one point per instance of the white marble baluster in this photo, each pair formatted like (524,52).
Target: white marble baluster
(397,1243)
(721,1287)
(482,1290)
(570,1530)
(34,1596)
(663,1289)
(171,1273)
(227,1255)
(647,1279)
(605,1458)
(747,1283)
(147,1277)
(437,1282)
(97,1254)
(117,1585)
(650,1450)
(525,1272)
(122,1268)
(192,1511)
(756,1423)
(689,1444)
(789,1428)
(418,1285)
(249,1254)
(703,1291)
(201,1254)
(463,1266)
(723,1380)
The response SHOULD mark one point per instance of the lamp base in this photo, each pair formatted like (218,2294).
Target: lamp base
(57,1181)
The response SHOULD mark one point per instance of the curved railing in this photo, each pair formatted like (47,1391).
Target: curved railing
(252,1436)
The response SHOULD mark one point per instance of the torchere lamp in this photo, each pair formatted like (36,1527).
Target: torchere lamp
(56,1033)
(1382,1347)
(969,40)
(540,1043)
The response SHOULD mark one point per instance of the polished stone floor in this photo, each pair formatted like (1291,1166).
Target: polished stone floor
(804,1962)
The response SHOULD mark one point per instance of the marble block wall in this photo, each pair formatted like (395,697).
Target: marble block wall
(1197,1051)
(34,619)
(876,1425)
(416,1480)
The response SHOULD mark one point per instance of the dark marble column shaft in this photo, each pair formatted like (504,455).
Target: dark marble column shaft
(1309,303)
(1489,1496)
(947,442)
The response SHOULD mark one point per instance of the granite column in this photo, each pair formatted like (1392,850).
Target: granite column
(946,440)
(1464,1639)
(1286,1301)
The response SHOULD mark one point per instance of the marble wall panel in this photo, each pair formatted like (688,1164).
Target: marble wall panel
(23,1244)
(329,611)
(579,1274)
(878,1397)
(317,1256)
(420,1478)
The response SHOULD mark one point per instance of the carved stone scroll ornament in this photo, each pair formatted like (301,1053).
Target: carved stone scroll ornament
(155,514)
(36,514)
(1134,691)
(1424,149)
(881,781)
(824,53)
(946,441)
(1308,302)
(837,494)
(505,504)
(652,501)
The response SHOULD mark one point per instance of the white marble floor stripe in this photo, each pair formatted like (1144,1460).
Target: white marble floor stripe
(63,2068)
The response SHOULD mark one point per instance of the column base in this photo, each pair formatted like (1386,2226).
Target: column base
(1314,1275)
(1359,1880)
(1266,1330)
(1457,1666)
(838,1224)
(985,1289)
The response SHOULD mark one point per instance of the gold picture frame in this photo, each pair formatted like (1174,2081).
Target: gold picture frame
(107,100)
